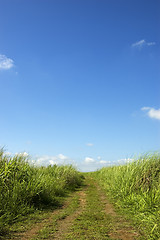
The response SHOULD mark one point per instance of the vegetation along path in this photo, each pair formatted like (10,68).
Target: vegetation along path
(86,214)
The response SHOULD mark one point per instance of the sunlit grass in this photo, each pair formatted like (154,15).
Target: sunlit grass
(25,187)
(135,188)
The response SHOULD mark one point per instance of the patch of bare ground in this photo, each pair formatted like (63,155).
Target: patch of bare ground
(65,224)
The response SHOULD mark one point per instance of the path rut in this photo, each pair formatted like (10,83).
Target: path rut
(65,224)
(94,217)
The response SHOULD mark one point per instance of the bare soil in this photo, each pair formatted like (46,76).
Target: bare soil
(66,223)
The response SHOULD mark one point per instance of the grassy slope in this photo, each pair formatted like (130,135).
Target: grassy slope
(135,189)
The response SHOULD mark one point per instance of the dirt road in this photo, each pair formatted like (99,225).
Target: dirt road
(86,214)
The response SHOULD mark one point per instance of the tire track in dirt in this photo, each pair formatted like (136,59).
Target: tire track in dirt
(62,224)
(65,224)
(31,233)
(121,228)
(38,226)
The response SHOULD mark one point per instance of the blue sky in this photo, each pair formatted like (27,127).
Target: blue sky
(80,80)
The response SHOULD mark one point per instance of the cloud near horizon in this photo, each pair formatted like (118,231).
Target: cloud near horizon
(89,160)
(142,43)
(5,62)
(46,160)
(96,163)
(24,154)
(125,160)
(88,164)
(152,112)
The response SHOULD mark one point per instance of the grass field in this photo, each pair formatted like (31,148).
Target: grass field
(135,189)
(58,202)
(25,187)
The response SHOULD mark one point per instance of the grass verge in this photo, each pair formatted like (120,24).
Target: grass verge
(135,189)
(25,188)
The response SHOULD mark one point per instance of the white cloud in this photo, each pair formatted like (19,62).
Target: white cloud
(152,112)
(5,62)
(125,160)
(139,43)
(62,157)
(142,43)
(7,153)
(89,160)
(51,162)
(103,162)
(24,154)
(99,160)
(59,159)
(90,164)
(151,43)
(89,144)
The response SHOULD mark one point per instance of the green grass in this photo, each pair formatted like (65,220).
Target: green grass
(29,194)
(48,231)
(92,223)
(135,189)
(25,187)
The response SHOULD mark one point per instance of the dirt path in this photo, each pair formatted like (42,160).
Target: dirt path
(65,224)
(121,228)
(31,233)
(87,214)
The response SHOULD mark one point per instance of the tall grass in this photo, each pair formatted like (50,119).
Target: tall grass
(24,187)
(135,188)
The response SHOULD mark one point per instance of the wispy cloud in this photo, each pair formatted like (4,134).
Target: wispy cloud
(89,144)
(142,43)
(62,157)
(151,43)
(5,62)
(89,160)
(103,162)
(152,112)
